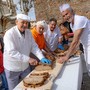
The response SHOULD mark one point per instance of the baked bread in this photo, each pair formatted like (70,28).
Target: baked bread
(66,47)
(45,75)
(77,52)
(33,81)
(43,67)
(58,51)
(52,58)
(39,74)
(61,54)
(36,79)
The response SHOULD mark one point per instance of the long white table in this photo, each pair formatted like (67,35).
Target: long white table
(70,77)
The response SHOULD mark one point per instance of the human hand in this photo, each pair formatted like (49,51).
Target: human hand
(62,59)
(45,61)
(66,52)
(53,53)
(33,61)
(50,54)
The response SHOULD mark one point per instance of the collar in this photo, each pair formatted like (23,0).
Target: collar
(22,33)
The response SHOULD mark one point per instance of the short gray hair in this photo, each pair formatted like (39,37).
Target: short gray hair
(64,7)
(42,23)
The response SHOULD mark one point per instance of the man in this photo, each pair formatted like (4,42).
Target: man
(81,28)
(52,35)
(37,33)
(19,43)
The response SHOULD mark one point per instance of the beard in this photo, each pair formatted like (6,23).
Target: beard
(23,28)
(52,29)
(70,19)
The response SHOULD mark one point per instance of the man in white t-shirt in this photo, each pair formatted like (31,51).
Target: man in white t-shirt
(52,35)
(81,28)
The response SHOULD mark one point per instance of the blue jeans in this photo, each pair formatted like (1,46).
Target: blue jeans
(4,85)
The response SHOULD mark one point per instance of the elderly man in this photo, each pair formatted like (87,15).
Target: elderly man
(81,28)
(52,35)
(19,43)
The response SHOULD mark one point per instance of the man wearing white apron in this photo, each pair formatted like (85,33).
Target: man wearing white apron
(81,28)
(18,43)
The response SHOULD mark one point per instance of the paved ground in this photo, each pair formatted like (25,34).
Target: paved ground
(86,82)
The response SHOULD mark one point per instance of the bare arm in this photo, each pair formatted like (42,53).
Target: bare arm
(73,45)
(75,41)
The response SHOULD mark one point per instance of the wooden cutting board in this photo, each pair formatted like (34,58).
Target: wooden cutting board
(48,84)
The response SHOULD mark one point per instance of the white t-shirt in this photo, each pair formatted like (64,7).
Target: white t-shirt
(52,38)
(82,22)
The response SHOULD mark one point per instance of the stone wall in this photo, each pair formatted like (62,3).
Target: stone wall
(45,9)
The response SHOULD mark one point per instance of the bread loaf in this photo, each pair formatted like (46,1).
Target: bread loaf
(43,67)
(35,79)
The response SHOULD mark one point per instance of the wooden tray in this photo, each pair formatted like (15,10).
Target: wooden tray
(48,84)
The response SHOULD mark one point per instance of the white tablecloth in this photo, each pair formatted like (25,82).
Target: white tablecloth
(70,77)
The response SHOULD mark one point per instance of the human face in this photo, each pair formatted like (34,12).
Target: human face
(22,25)
(52,25)
(68,15)
(40,29)
(63,29)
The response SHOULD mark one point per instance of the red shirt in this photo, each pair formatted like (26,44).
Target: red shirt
(1,62)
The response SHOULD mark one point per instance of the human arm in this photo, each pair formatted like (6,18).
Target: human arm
(38,53)
(47,50)
(17,50)
(73,45)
